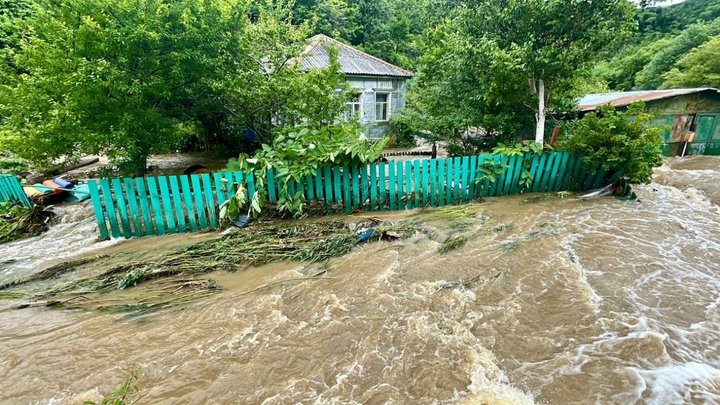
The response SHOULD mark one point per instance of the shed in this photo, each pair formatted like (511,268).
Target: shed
(679,112)
(380,87)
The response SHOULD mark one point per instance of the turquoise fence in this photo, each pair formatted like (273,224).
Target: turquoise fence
(134,207)
(11,190)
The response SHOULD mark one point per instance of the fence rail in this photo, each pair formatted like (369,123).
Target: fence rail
(11,190)
(134,207)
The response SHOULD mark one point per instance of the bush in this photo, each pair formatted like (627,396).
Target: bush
(401,133)
(623,142)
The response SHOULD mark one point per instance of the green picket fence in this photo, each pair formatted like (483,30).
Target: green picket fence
(134,207)
(11,190)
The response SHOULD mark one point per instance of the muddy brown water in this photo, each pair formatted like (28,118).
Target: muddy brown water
(552,300)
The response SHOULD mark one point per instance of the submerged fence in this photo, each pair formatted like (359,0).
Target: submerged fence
(133,207)
(11,190)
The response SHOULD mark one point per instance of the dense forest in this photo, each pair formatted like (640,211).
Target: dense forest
(675,46)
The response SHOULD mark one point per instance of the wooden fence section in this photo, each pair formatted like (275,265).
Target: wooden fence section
(133,207)
(11,190)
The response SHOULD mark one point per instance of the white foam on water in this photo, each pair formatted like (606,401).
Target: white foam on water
(678,383)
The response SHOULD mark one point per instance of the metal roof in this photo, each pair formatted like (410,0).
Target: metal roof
(352,61)
(623,98)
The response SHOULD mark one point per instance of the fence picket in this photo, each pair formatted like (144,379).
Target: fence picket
(381,181)
(189,204)
(425,183)
(99,211)
(199,203)
(440,181)
(121,207)
(449,167)
(416,164)
(408,197)
(401,185)
(211,204)
(391,185)
(346,190)
(433,182)
(167,207)
(373,187)
(178,203)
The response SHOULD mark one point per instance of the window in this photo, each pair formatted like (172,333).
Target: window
(353,108)
(382,106)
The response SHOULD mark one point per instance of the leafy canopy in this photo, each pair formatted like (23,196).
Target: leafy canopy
(128,79)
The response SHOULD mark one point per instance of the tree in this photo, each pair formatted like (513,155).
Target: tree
(275,91)
(542,43)
(121,78)
(699,68)
(129,79)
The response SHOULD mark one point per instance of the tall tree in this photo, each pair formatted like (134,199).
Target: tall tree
(542,43)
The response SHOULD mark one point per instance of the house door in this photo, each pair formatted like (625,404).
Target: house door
(704,133)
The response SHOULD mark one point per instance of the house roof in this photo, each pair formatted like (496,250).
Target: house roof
(624,98)
(352,61)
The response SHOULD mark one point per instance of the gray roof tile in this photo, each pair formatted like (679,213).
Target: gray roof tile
(352,61)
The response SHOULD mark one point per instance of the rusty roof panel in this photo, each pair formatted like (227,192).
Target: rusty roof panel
(623,98)
(352,61)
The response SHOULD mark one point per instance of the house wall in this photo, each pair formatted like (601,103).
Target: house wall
(676,115)
(368,86)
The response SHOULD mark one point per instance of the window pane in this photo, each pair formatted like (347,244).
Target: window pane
(381,98)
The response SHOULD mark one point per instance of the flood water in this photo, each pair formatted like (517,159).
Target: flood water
(552,300)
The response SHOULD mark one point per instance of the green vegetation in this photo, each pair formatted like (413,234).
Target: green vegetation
(129,80)
(18,222)
(674,47)
(621,142)
(495,66)
(297,152)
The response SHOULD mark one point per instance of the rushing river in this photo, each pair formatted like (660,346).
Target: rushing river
(552,300)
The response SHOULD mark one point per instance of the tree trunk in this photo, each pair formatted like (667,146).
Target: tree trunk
(540,117)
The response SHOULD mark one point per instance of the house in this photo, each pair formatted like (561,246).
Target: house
(679,111)
(380,87)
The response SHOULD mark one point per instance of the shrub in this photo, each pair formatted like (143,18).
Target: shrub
(401,132)
(623,142)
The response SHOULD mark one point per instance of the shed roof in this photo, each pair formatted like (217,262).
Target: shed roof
(352,61)
(624,98)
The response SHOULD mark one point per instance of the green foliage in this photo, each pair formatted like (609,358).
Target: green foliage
(129,79)
(667,35)
(699,68)
(482,69)
(11,164)
(651,76)
(624,142)
(18,222)
(401,132)
(297,152)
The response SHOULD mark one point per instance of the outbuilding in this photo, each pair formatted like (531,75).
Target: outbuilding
(685,114)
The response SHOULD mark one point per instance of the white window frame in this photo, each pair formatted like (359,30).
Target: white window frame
(353,105)
(388,106)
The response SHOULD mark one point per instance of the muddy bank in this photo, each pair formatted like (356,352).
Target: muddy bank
(548,300)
